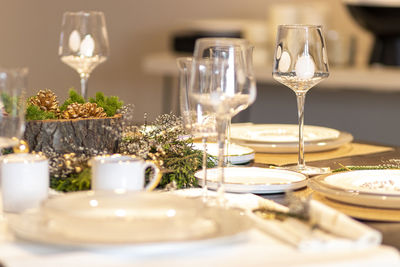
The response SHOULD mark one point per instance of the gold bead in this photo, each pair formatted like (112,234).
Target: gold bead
(21,147)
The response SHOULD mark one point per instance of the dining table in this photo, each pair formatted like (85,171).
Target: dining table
(253,250)
(372,154)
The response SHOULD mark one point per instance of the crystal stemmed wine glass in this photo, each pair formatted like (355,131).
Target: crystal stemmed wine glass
(301,62)
(230,86)
(243,44)
(83,43)
(12,105)
(196,120)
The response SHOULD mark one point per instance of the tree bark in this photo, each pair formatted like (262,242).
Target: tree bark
(87,136)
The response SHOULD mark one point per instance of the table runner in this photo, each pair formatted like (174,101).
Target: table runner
(352,149)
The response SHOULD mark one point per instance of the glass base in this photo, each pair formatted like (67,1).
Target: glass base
(307,170)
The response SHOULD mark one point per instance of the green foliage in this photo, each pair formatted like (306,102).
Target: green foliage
(6,151)
(35,113)
(9,102)
(182,168)
(109,104)
(75,182)
(74,97)
(162,143)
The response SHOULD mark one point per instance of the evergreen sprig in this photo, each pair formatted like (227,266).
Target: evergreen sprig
(162,142)
(74,182)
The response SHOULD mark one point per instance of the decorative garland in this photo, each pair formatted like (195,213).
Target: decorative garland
(161,141)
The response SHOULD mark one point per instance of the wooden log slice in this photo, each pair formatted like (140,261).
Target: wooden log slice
(78,135)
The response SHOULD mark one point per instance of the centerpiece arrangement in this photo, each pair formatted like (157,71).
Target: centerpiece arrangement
(74,126)
(73,132)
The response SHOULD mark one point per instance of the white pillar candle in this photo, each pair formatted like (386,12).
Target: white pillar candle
(25,181)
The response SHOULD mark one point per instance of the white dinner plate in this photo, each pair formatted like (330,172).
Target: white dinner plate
(237,154)
(101,219)
(281,133)
(255,180)
(281,139)
(371,188)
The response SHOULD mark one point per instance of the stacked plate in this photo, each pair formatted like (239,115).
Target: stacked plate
(283,138)
(371,188)
(236,154)
(104,218)
(254,180)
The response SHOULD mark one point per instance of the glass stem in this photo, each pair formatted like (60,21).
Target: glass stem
(228,142)
(204,185)
(221,130)
(84,84)
(301,97)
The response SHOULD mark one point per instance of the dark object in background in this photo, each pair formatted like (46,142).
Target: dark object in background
(184,41)
(384,22)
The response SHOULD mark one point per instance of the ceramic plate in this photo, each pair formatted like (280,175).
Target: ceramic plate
(237,154)
(311,145)
(88,219)
(372,188)
(281,133)
(255,180)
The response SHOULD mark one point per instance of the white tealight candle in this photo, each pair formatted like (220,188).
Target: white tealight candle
(284,62)
(305,67)
(25,181)
(87,46)
(74,41)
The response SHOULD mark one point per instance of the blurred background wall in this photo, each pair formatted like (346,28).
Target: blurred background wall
(29,35)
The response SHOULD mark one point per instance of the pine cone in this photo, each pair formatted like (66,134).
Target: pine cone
(87,110)
(46,100)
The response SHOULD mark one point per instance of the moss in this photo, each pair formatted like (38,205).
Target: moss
(35,113)
(109,104)
(74,97)
(10,103)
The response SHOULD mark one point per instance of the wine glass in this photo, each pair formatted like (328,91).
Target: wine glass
(195,119)
(301,62)
(12,108)
(230,86)
(83,43)
(244,44)
(12,105)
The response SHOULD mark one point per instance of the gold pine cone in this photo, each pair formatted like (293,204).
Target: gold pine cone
(86,110)
(46,100)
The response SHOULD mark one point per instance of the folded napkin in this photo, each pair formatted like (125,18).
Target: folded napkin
(334,230)
(329,229)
